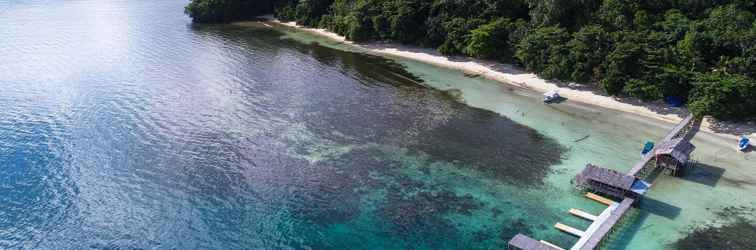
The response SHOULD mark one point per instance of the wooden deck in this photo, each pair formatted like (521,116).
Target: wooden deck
(675,132)
(595,239)
(598,223)
(603,224)
(569,229)
(583,214)
(599,198)
(639,166)
(551,245)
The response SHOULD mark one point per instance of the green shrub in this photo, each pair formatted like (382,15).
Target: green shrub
(491,40)
(642,89)
(545,51)
(725,96)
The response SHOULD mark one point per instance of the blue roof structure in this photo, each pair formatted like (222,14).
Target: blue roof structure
(640,186)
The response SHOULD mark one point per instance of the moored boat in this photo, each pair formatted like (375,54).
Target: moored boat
(551,96)
(743,144)
(647,148)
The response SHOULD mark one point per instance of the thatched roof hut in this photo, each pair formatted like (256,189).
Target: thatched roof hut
(678,148)
(606,176)
(606,181)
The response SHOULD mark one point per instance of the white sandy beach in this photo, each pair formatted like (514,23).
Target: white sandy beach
(509,74)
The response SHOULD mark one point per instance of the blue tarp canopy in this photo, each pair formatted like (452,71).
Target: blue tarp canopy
(674,101)
(640,186)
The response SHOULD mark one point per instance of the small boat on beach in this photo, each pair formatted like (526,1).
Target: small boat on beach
(551,96)
(743,144)
(647,148)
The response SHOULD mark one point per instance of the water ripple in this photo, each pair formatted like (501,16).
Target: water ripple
(123,126)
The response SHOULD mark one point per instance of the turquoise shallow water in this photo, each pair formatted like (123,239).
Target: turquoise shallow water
(124,126)
(717,192)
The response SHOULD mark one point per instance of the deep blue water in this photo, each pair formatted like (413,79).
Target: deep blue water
(124,126)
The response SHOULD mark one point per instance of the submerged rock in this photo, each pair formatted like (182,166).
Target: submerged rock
(734,236)
(738,234)
(425,208)
(402,112)
(423,216)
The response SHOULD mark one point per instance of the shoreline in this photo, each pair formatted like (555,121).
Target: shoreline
(511,75)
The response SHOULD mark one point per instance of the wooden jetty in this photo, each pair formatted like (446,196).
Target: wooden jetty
(597,237)
(677,140)
(600,199)
(569,229)
(601,225)
(522,242)
(583,214)
(672,154)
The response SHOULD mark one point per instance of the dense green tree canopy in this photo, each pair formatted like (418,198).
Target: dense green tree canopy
(729,96)
(213,11)
(702,51)
(491,40)
(587,50)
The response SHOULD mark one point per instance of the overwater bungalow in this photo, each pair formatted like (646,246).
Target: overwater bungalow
(610,182)
(674,155)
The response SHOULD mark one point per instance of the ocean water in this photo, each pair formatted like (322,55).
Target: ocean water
(124,126)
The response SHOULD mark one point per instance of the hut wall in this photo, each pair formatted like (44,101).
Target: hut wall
(607,189)
(670,163)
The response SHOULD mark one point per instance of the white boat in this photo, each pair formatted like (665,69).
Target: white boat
(551,96)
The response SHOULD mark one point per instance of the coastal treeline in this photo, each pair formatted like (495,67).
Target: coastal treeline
(702,52)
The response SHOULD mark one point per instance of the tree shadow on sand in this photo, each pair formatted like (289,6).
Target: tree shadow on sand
(733,128)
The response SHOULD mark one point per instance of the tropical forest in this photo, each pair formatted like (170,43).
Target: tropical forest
(701,53)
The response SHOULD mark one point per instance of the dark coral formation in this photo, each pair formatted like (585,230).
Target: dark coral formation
(420,216)
(736,235)
(428,122)
(412,211)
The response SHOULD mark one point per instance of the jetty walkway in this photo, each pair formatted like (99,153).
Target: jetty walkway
(672,154)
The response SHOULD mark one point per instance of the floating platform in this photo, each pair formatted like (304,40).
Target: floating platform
(551,245)
(569,229)
(582,214)
(599,198)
